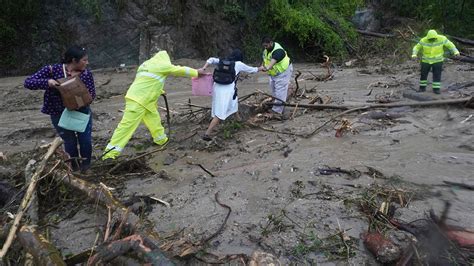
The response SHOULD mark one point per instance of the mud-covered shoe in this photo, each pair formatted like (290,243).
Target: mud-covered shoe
(422,89)
(436,91)
(206,137)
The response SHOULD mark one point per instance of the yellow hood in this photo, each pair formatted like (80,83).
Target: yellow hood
(432,34)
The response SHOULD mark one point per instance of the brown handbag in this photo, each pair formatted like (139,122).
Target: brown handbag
(74,92)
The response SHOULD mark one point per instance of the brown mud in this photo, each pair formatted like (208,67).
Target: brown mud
(281,201)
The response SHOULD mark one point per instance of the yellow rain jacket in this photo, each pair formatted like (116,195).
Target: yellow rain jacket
(433,52)
(149,82)
(279,67)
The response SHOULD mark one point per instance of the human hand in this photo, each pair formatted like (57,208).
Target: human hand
(201,71)
(53,83)
(262,68)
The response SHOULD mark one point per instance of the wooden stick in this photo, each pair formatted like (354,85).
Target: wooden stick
(105,197)
(375,34)
(202,167)
(462,40)
(163,147)
(42,250)
(273,97)
(25,203)
(386,105)
(332,119)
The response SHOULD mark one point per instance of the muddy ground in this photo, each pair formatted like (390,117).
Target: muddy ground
(272,181)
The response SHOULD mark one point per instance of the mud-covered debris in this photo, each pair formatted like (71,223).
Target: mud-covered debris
(383,249)
(260,258)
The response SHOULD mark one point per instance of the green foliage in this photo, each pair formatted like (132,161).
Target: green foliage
(233,12)
(15,16)
(316,24)
(453,17)
(230,128)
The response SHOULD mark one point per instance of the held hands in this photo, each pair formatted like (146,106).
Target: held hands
(201,71)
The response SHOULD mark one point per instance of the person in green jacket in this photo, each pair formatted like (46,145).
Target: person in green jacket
(141,102)
(432,48)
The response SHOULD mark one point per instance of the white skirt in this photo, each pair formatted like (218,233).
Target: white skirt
(222,103)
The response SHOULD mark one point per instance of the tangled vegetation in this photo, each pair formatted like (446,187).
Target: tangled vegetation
(453,17)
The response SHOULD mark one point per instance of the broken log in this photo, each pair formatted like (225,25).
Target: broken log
(25,203)
(44,253)
(136,243)
(466,59)
(105,197)
(382,105)
(462,40)
(375,34)
(461,185)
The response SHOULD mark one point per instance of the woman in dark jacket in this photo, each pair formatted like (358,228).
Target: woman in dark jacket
(74,64)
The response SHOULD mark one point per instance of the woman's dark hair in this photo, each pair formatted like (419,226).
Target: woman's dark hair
(236,55)
(75,53)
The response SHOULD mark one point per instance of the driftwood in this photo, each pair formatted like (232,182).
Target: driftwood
(105,197)
(137,243)
(387,105)
(375,34)
(466,59)
(44,253)
(462,40)
(25,203)
(461,185)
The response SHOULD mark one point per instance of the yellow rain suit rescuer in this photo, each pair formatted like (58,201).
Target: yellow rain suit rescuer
(141,102)
(432,47)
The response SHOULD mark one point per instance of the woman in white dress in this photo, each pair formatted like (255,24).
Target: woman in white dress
(224,96)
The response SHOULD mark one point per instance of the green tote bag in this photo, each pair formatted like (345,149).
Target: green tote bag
(74,120)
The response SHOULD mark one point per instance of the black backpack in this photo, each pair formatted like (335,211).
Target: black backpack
(224,73)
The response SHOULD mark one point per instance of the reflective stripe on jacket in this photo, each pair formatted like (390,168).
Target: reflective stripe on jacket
(433,52)
(151,75)
(279,67)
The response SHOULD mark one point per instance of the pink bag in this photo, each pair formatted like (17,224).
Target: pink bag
(202,85)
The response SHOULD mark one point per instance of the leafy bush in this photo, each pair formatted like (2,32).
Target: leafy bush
(454,17)
(313,23)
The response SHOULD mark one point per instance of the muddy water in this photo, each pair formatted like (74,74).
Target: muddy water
(260,173)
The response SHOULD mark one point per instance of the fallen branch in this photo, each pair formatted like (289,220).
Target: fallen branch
(202,167)
(273,97)
(163,147)
(105,197)
(298,74)
(25,203)
(462,40)
(137,243)
(461,185)
(44,253)
(375,34)
(386,105)
(332,119)
(196,247)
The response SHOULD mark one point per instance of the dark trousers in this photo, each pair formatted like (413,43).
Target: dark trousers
(71,141)
(437,68)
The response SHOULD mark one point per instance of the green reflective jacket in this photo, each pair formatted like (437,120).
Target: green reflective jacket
(279,67)
(433,52)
